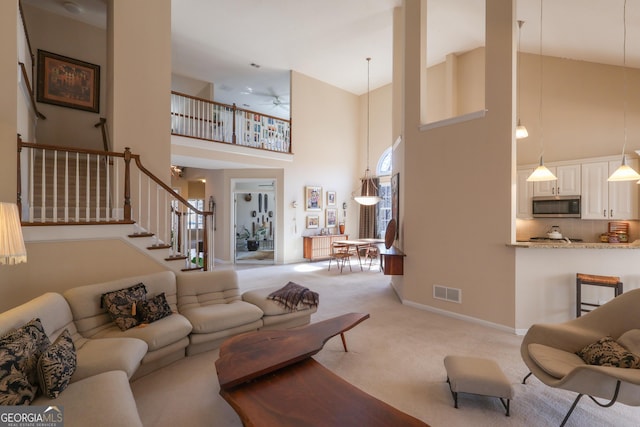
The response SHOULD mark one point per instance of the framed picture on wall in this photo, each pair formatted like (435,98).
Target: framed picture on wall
(331,217)
(68,82)
(331,198)
(313,221)
(313,198)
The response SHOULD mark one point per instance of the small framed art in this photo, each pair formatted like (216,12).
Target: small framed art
(331,219)
(331,198)
(313,221)
(313,198)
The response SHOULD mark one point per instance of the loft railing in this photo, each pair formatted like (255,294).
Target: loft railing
(72,186)
(203,119)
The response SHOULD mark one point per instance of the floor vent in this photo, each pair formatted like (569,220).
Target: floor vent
(447,294)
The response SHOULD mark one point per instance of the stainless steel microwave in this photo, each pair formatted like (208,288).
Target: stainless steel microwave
(556,207)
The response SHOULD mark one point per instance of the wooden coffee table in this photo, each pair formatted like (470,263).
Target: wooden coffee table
(270,379)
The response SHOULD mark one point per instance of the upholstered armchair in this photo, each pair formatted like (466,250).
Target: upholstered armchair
(549,351)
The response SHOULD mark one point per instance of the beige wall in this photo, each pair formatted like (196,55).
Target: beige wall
(582,109)
(458,234)
(59,35)
(58,266)
(139,75)
(9,89)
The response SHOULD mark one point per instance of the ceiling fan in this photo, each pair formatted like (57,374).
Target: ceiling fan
(276,101)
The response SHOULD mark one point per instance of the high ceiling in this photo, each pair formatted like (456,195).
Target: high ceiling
(218,40)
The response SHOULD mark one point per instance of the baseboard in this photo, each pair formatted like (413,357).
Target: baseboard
(460,317)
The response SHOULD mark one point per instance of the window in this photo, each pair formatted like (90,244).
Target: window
(383,209)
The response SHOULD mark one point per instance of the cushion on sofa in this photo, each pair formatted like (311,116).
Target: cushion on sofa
(607,352)
(122,304)
(218,317)
(631,341)
(206,288)
(56,365)
(158,334)
(100,355)
(153,309)
(19,353)
(553,361)
(103,400)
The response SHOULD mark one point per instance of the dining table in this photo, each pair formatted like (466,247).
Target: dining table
(357,244)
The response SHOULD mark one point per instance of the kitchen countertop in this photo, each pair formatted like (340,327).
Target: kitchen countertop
(576,245)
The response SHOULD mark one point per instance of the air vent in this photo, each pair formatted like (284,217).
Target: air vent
(447,294)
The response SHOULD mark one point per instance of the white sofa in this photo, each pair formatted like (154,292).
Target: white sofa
(207,306)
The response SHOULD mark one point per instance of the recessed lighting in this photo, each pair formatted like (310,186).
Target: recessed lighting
(254,65)
(72,7)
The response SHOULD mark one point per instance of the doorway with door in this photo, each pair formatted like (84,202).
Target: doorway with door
(254,221)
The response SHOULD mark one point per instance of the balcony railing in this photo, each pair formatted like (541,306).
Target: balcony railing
(203,119)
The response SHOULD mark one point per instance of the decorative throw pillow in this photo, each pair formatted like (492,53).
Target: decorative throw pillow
(122,305)
(153,309)
(19,353)
(631,341)
(56,365)
(607,352)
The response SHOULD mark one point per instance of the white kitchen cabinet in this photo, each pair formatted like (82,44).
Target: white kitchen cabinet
(524,192)
(602,199)
(567,184)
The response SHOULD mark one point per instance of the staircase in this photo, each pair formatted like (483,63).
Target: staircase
(69,186)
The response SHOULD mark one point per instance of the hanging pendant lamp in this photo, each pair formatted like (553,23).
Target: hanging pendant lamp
(624,172)
(369,192)
(521,130)
(542,173)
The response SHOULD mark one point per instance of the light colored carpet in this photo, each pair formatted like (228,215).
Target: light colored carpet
(396,355)
(259,255)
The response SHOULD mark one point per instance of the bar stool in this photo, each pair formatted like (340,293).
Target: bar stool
(594,280)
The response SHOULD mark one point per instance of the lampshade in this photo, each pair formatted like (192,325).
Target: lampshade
(12,250)
(369,192)
(542,173)
(624,173)
(521,131)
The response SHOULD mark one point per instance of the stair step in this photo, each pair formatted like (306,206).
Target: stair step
(153,247)
(193,268)
(135,235)
(176,258)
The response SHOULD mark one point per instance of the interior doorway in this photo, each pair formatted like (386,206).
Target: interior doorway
(255,219)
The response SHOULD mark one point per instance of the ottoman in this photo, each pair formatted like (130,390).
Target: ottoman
(476,375)
(275,315)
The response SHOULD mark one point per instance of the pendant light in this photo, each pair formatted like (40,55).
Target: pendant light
(624,172)
(542,173)
(369,192)
(521,130)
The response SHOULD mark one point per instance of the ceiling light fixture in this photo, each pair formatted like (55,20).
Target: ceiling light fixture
(542,173)
(369,193)
(521,130)
(72,7)
(624,172)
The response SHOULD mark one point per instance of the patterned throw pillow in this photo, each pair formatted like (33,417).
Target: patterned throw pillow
(154,309)
(607,352)
(122,305)
(19,353)
(56,365)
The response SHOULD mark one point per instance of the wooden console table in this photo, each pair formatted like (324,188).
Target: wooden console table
(319,247)
(392,260)
(270,379)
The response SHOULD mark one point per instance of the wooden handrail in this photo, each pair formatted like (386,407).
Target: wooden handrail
(102,124)
(25,76)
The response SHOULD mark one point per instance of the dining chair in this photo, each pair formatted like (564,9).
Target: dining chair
(341,254)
